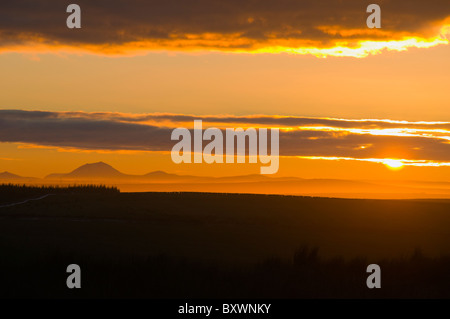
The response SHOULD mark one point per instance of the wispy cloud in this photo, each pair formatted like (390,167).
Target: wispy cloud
(415,143)
(321,28)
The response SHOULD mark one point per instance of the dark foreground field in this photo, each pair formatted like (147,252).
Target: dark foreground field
(182,245)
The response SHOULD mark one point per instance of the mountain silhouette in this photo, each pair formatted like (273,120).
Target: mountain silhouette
(99,169)
(160,181)
(8,175)
(92,170)
(104,171)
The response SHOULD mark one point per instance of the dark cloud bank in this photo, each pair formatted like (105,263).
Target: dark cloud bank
(116,22)
(115,131)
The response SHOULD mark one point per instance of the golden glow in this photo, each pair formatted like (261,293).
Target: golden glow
(389,162)
(366,48)
(237,43)
(400,132)
(393,164)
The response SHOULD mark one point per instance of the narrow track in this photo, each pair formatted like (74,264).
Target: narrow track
(25,201)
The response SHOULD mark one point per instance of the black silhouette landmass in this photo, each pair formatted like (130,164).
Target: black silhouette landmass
(204,245)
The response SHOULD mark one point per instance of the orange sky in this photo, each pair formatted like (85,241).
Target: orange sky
(266,63)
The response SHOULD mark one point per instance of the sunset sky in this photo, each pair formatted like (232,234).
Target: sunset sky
(347,99)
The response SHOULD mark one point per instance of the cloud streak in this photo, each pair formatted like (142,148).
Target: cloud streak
(423,142)
(321,28)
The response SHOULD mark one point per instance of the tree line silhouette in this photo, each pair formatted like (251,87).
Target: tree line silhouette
(9,193)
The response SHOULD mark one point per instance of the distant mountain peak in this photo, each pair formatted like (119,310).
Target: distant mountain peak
(7,174)
(98,169)
(97,164)
(160,173)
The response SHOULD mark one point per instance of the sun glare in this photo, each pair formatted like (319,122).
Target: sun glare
(393,164)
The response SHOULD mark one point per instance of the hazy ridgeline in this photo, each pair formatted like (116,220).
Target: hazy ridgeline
(223,245)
